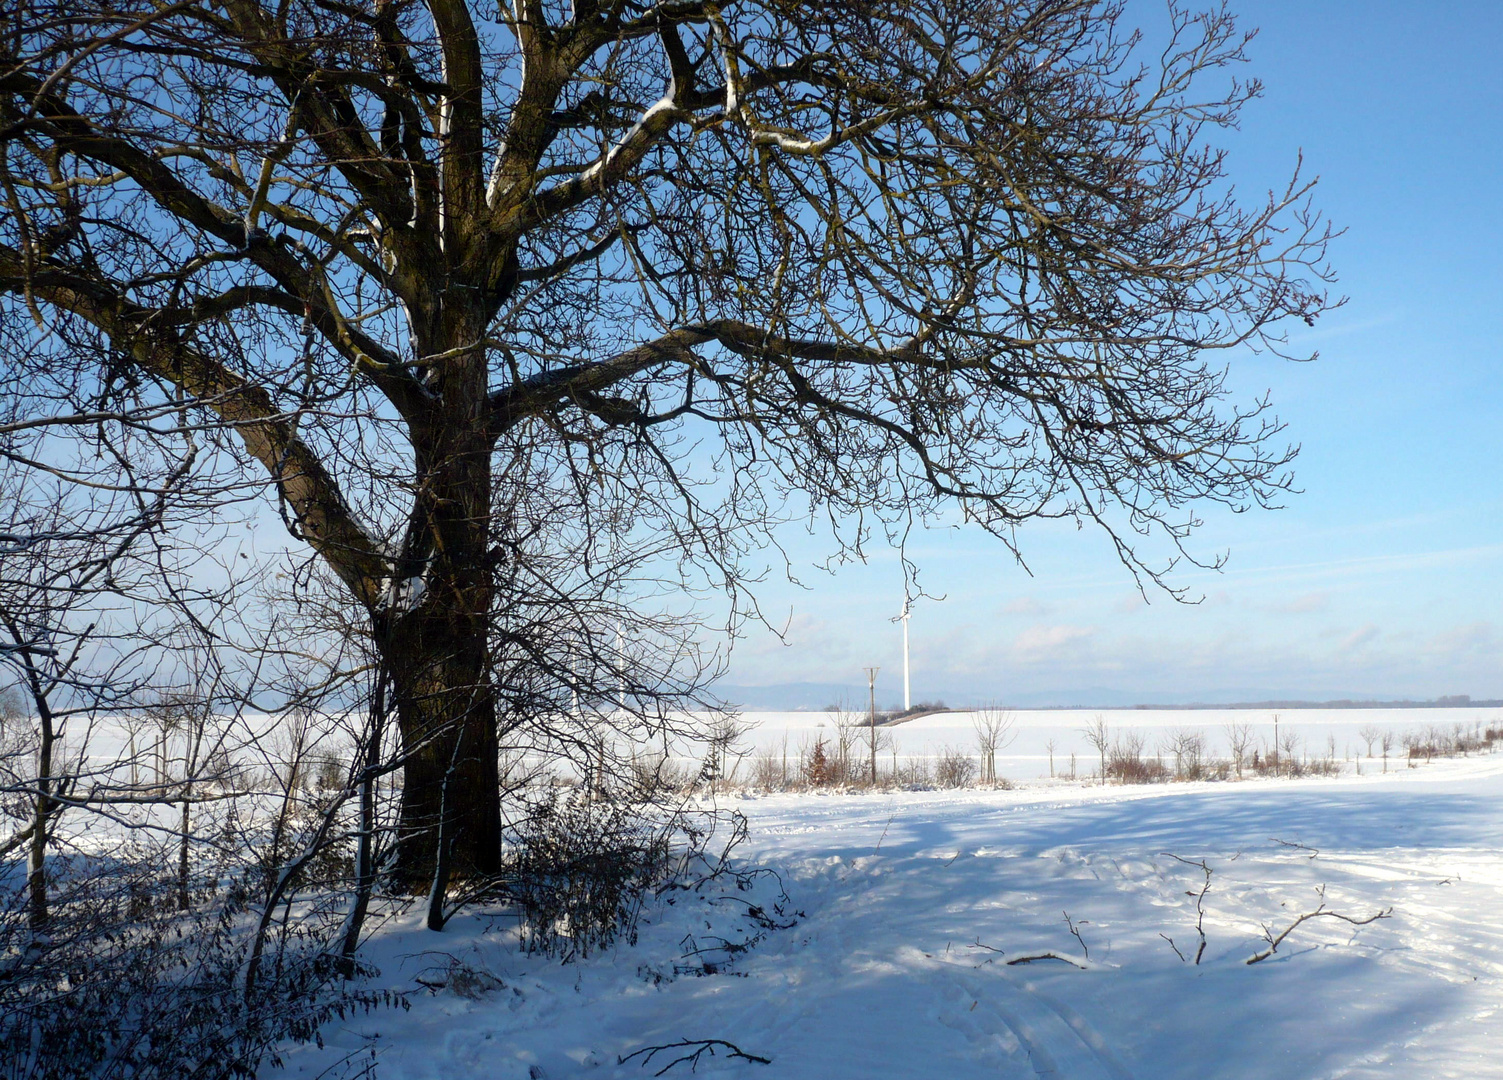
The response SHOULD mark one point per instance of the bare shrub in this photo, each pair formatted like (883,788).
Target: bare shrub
(1126,765)
(1327,766)
(654,775)
(953,768)
(460,978)
(579,870)
(767,772)
(914,773)
(1291,766)
(123,984)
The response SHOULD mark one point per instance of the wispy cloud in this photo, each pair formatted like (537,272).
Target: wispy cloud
(1469,641)
(1042,641)
(1363,635)
(1355,566)
(1305,603)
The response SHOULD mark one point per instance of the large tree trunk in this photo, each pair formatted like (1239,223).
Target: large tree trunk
(436,645)
(447,717)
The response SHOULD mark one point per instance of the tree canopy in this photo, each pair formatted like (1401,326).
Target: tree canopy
(473,291)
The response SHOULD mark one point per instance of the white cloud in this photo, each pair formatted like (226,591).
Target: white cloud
(1363,635)
(1041,641)
(1474,641)
(1319,600)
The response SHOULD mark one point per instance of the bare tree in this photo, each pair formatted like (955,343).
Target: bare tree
(1288,747)
(851,727)
(1188,748)
(1239,737)
(1386,741)
(725,751)
(103,627)
(1097,735)
(191,717)
(1370,734)
(412,268)
(1050,747)
(66,570)
(994,731)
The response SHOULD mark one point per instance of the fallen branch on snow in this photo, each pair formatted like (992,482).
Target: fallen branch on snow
(1321,912)
(1047,956)
(1030,958)
(692,1058)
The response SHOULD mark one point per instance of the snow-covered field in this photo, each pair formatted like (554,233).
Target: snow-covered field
(1027,755)
(903,909)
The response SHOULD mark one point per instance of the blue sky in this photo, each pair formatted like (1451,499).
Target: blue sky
(1385,576)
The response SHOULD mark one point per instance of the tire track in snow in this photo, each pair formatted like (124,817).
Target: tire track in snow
(1059,1042)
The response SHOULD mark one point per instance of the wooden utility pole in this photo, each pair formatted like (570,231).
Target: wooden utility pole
(871,698)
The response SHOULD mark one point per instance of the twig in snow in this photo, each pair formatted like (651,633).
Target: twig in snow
(979,944)
(693,1057)
(1074,930)
(1200,905)
(1302,847)
(1274,940)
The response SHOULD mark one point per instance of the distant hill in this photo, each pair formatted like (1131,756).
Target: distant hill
(816,696)
(1453,701)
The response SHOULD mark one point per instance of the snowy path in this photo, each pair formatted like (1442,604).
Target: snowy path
(885,976)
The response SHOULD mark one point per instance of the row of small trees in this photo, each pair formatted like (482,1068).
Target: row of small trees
(1122,756)
(843,758)
(859,753)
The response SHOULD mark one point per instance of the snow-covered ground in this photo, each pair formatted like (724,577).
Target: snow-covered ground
(903,909)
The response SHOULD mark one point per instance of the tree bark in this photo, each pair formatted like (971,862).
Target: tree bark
(450,780)
(436,646)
